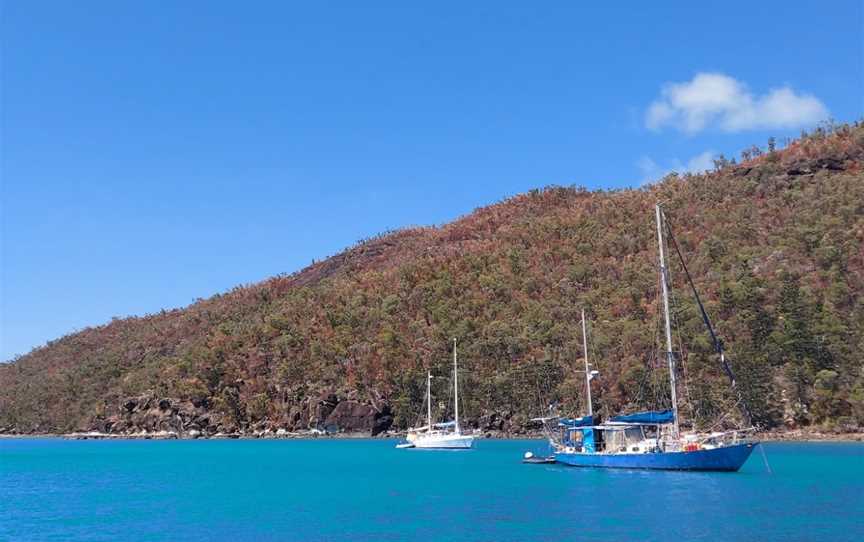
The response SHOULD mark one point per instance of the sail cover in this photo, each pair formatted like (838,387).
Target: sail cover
(648,417)
(584,421)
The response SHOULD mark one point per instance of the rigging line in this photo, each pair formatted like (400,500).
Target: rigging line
(718,344)
(670,293)
(676,310)
(419,416)
(765,458)
(654,359)
(722,418)
(593,358)
(540,400)
(649,362)
(594,361)
(446,410)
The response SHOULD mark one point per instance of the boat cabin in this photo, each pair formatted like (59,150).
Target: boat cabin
(635,433)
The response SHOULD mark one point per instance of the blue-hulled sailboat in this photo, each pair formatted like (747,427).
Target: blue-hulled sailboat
(652,440)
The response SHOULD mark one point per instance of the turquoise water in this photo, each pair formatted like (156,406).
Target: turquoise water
(53,489)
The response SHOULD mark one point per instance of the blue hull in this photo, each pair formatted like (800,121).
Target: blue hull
(727,458)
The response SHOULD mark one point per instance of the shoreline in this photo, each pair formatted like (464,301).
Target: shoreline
(790,436)
(814,436)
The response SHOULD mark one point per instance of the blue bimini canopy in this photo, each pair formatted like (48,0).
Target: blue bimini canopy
(584,421)
(649,417)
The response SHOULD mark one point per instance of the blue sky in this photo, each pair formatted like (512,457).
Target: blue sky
(154,154)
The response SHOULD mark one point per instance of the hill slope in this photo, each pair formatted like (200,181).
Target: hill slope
(774,244)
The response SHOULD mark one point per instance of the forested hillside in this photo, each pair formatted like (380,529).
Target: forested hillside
(774,243)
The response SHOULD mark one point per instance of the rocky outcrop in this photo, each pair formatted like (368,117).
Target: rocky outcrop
(808,167)
(153,414)
(328,413)
(504,424)
(492,421)
(354,417)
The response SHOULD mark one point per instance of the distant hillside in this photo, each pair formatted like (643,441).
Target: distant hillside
(774,244)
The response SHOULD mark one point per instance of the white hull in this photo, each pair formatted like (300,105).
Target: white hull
(452,442)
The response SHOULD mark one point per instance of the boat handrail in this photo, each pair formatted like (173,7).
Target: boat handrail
(733,432)
(612,425)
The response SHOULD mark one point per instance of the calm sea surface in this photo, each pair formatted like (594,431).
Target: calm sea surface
(52,489)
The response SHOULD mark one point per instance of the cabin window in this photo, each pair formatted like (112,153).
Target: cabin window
(633,434)
(622,440)
(573,437)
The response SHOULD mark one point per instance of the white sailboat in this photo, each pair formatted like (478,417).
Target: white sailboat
(446,435)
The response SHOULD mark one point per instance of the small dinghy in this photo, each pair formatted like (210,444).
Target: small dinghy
(529,457)
(405,445)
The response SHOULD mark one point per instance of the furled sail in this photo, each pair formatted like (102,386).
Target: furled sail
(648,417)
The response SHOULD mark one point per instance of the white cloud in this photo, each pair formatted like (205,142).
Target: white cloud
(701,162)
(652,171)
(715,99)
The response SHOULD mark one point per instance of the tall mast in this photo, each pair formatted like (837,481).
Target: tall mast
(670,356)
(429,404)
(587,371)
(456,385)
